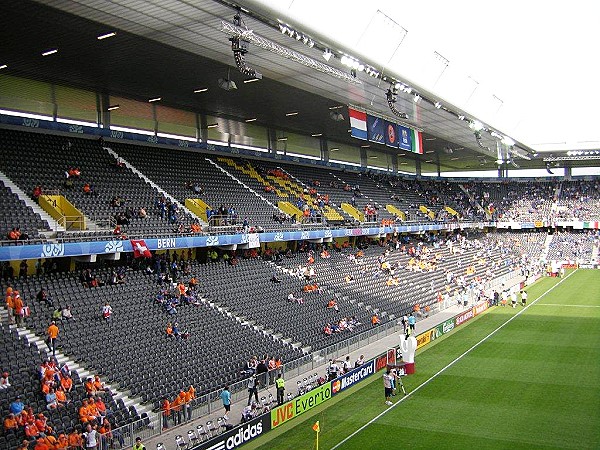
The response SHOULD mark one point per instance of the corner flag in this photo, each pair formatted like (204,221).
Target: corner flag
(316,427)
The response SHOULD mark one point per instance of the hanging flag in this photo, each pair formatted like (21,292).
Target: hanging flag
(358,123)
(405,138)
(140,249)
(417,142)
(316,427)
(390,134)
(375,127)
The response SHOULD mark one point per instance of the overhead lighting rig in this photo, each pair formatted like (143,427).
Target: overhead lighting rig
(391,99)
(239,46)
(248,36)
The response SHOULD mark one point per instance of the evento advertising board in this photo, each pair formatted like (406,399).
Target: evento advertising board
(352,377)
(300,405)
(238,436)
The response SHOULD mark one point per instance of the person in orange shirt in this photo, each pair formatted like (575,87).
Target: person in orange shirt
(10,305)
(92,411)
(52,333)
(84,414)
(98,385)
(10,423)
(375,320)
(61,397)
(75,440)
(51,441)
(63,442)
(176,409)
(41,422)
(41,444)
(183,406)
(190,395)
(169,330)
(166,412)
(18,308)
(66,383)
(89,386)
(31,431)
(100,406)
(25,417)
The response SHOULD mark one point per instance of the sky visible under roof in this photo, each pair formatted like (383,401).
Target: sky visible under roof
(528,68)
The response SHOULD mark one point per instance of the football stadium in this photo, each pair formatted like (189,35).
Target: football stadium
(298,225)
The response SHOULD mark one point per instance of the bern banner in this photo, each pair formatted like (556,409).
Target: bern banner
(375,129)
(391,134)
(405,138)
(358,123)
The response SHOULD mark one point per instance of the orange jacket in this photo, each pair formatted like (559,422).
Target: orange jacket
(52,331)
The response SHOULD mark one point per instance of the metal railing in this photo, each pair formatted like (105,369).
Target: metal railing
(209,403)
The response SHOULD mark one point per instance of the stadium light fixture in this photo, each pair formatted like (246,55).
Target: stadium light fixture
(3,66)
(250,37)
(239,47)
(106,36)
(50,52)
(391,99)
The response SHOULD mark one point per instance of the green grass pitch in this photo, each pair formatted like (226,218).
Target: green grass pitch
(533,384)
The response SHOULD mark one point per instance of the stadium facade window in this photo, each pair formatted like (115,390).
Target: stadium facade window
(27,96)
(177,136)
(582,171)
(298,155)
(132,130)
(76,122)
(76,104)
(250,147)
(176,122)
(339,161)
(132,114)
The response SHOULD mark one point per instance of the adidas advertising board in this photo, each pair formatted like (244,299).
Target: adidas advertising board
(238,436)
(352,377)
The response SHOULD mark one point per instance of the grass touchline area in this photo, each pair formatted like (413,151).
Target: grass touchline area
(499,383)
(454,361)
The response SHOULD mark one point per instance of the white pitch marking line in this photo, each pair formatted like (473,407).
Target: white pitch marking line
(443,369)
(568,306)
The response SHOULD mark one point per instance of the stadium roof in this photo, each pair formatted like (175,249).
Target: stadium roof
(170,48)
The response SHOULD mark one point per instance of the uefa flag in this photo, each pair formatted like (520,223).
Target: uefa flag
(405,138)
(375,128)
(390,134)
(316,427)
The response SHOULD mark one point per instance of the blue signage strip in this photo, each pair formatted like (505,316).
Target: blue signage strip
(54,250)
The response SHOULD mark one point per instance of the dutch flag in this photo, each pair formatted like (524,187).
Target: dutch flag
(358,123)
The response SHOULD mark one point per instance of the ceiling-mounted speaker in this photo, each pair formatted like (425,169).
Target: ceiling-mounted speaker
(226,84)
